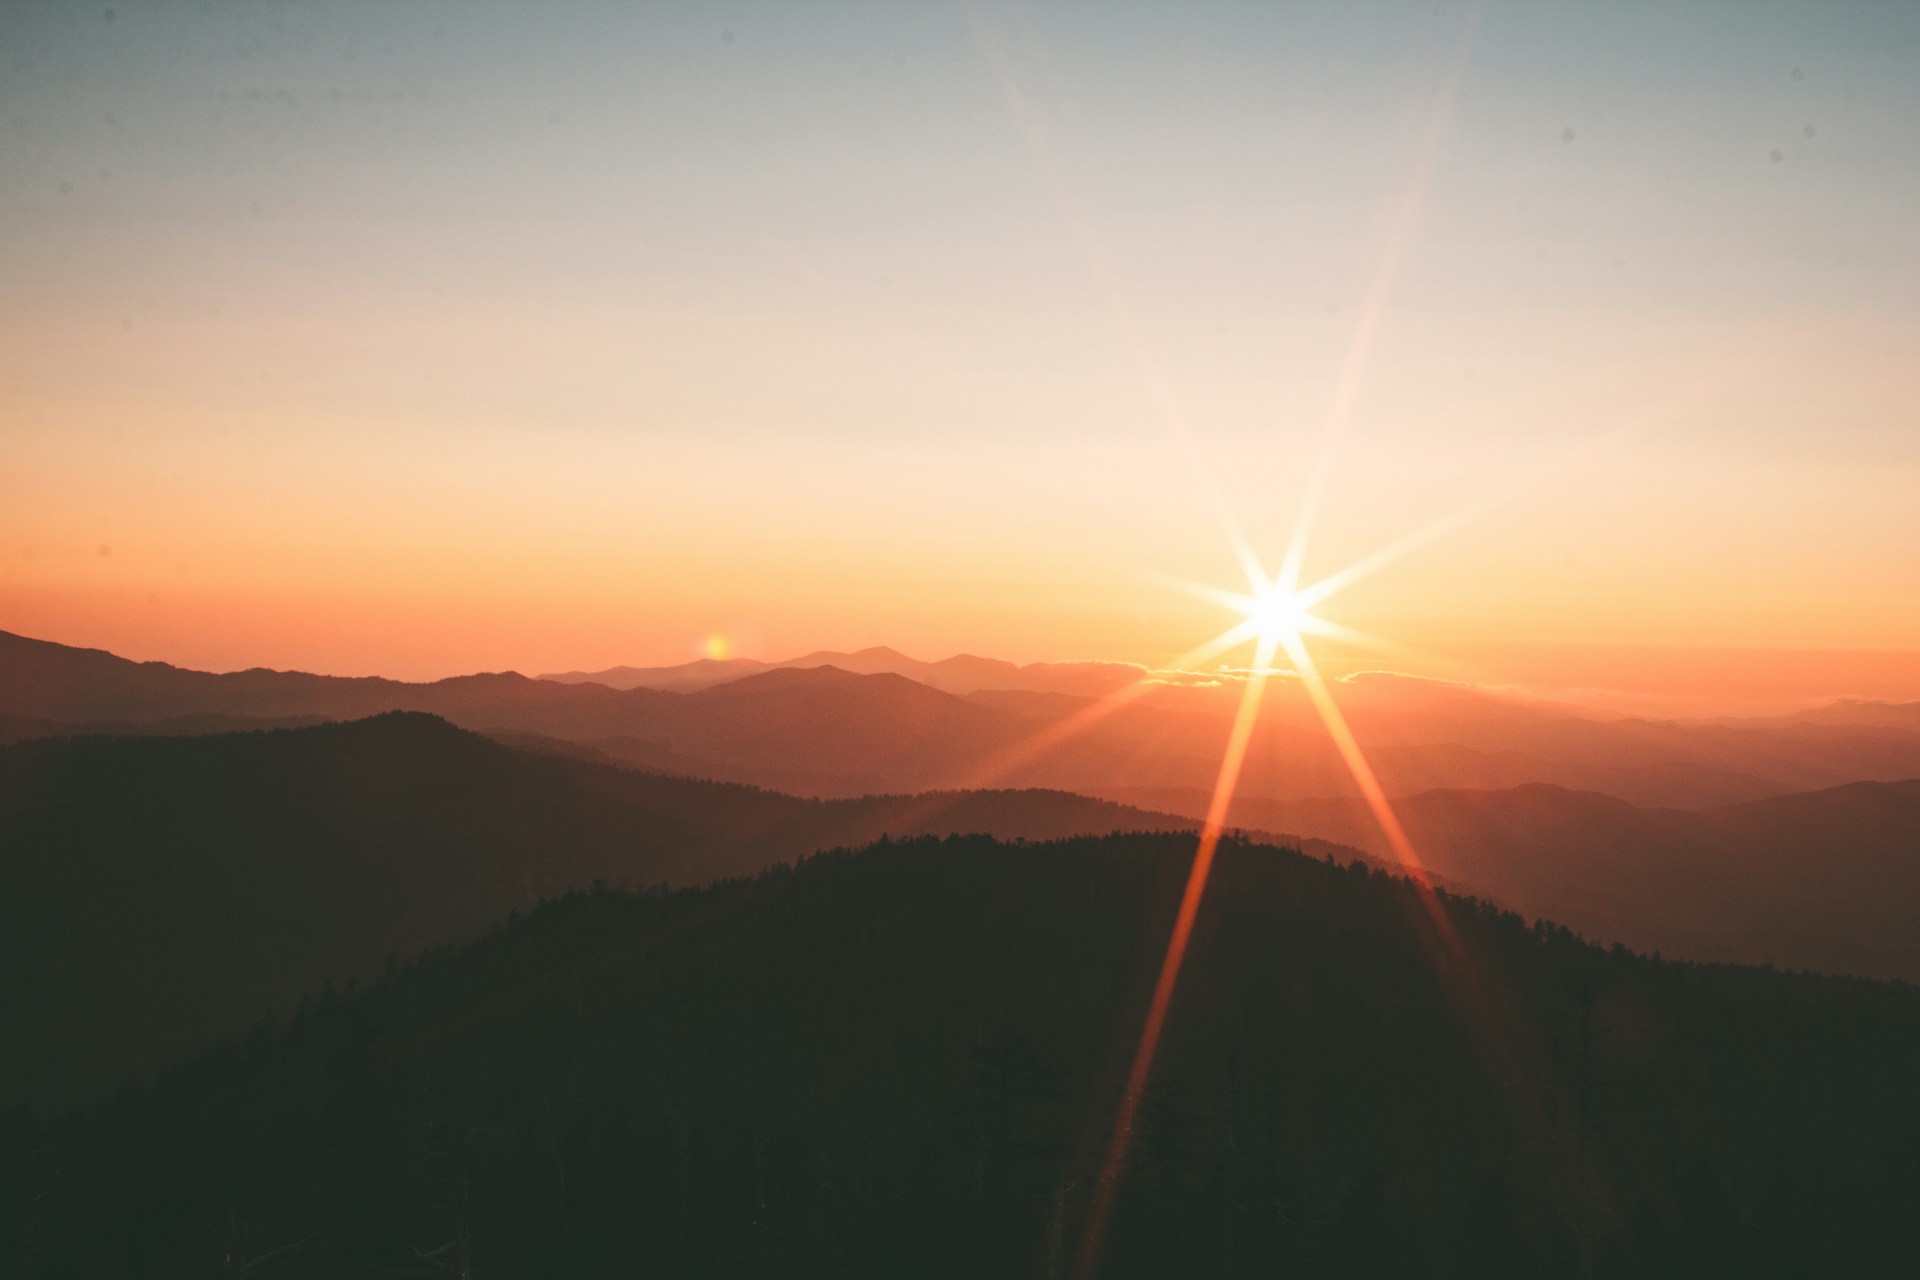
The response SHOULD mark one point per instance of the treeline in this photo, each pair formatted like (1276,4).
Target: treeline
(906,1061)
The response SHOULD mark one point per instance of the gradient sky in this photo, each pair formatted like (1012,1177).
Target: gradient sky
(423,338)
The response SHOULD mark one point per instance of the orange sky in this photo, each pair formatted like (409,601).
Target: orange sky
(913,331)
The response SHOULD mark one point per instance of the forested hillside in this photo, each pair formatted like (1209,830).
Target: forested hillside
(904,1062)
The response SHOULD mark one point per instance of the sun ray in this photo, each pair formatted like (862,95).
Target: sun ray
(1526,482)
(1313,624)
(1356,761)
(1218,807)
(996,769)
(1346,386)
(1482,999)
(998,766)
(1278,618)
(1235,601)
(1277,612)
(1250,566)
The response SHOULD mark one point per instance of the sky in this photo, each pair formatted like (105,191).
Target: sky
(426,338)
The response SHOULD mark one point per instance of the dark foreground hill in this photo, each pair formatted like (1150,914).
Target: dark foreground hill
(155,892)
(904,1062)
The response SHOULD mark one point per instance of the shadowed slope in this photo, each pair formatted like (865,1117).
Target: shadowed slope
(1824,879)
(154,891)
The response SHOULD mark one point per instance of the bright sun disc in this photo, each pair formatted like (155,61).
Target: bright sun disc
(1278,615)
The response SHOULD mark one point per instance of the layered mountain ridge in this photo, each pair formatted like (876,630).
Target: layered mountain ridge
(826,731)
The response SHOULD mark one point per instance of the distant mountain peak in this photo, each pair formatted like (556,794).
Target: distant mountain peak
(883,651)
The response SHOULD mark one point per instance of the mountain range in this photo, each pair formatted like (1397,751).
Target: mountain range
(506,975)
(823,730)
(960,674)
(1786,839)
(156,891)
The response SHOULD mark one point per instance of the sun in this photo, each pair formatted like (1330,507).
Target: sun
(1275,613)
(1278,616)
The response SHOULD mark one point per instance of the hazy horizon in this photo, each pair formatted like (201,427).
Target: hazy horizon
(1653,682)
